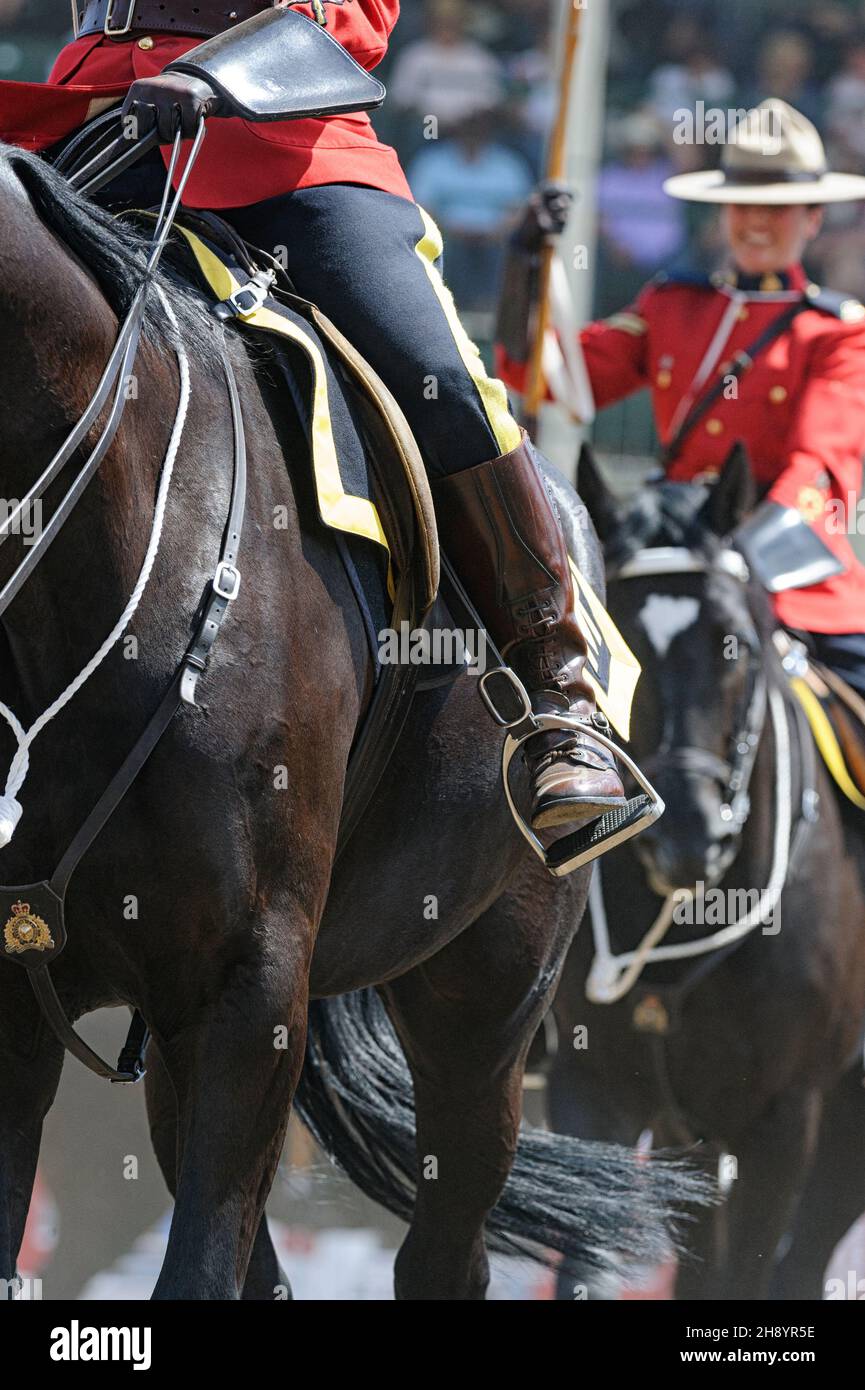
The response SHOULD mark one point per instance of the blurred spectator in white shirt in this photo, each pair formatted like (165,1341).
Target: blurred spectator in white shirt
(446,75)
(784,70)
(697,76)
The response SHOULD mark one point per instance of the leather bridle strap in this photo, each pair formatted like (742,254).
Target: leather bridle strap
(130,1064)
(226,579)
(223,589)
(117,369)
(734,775)
(102,169)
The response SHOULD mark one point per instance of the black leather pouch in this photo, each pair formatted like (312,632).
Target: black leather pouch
(280,66)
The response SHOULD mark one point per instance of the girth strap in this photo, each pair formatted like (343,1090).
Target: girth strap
(130,1064)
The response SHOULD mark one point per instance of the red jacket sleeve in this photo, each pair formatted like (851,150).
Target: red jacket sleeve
(362,26)
(616,350)
(827,432)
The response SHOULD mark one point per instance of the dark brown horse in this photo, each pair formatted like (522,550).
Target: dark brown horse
(754,1049)
(210,900)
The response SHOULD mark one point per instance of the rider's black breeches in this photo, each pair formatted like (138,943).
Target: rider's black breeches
(372,262)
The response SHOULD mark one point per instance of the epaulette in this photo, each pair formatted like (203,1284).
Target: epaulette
(840,306)
(669,279)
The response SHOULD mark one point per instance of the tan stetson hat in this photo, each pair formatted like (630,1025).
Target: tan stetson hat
(774,155)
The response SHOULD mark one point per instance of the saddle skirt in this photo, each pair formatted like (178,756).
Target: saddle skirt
(370,481)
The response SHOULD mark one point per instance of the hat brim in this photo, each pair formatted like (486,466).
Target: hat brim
(714,186)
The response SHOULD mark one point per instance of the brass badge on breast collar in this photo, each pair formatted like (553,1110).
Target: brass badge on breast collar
(26,932)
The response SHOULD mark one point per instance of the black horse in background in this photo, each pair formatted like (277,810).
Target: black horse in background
(754,1049)
(247,927)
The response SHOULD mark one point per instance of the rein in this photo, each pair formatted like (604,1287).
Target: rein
(612,976)
(35,933)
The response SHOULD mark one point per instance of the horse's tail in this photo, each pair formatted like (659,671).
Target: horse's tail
(597,1204)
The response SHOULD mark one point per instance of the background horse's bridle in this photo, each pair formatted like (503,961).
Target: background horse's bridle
(612,976)
(733,773)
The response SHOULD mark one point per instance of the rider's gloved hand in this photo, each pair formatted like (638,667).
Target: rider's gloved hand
(172,101)
(546,215)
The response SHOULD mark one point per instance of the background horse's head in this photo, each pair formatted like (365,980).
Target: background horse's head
(681,597)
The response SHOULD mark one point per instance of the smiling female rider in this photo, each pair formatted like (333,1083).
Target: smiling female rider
(359,246)
(799,407)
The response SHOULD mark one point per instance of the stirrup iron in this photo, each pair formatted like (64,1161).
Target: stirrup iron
(508,702)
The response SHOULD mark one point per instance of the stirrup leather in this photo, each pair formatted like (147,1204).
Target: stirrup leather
(507,700)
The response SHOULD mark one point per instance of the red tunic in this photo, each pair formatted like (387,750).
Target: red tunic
(800,410)
(240,162)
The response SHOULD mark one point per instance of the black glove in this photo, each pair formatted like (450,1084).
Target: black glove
(172,101)
(545,217)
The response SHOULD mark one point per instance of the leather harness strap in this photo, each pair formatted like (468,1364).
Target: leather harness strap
(222,589)
(130,1063)
(115,375)
(742,362)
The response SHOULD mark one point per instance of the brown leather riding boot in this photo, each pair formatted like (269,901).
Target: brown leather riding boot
(500,532)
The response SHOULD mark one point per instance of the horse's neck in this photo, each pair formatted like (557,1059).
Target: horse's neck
(83,580)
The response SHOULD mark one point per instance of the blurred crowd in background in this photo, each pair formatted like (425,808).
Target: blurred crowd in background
(472,95)
(484,69)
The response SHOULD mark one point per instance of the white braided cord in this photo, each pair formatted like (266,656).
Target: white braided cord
(10,807)
(612,976)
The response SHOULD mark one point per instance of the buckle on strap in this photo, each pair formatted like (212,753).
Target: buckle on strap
(108,28)
(505,697)
(250,297)
(226,581)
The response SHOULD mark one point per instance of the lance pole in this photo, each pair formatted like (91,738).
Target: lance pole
(555,172)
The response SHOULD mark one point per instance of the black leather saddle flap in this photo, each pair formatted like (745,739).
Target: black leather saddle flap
(280,66)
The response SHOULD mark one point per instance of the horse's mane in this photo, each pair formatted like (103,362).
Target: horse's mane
(664,514)
(116,254)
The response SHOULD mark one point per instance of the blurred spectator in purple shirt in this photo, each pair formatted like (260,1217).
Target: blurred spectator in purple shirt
(639,223)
